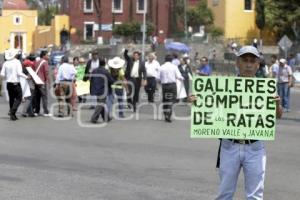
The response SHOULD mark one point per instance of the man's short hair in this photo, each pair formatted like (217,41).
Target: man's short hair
(175,55)
(274,57)
(95,53)
(137,52)
(168,58)
(204,59)
(65,59)
(43,53)
(102,62)
(75,58)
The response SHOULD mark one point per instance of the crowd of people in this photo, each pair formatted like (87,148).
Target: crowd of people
(127,75)
(121,79)
(114,80)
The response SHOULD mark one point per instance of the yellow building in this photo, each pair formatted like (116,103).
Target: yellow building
(18,24)
(19,28)
(45,35)
(237,19)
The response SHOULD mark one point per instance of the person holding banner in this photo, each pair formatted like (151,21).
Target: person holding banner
(64,84)
(116,69)
(41,90)
(169,73)
(79,65)
(12,72)
(27,106)
(249,154)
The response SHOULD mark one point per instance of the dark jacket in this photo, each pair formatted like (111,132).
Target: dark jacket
(185,73)
(129,61)
(101,85)
(87,70)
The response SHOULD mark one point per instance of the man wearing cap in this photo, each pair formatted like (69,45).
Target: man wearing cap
(284,80)
(136,75)
(249,154)
(12,72)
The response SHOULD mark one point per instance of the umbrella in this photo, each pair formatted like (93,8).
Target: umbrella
(177,46)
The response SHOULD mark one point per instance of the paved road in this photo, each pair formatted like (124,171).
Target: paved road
(145,159)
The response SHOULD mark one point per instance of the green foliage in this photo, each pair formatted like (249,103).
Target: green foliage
(260,14)
(200,15)
(46,10)
(283,17)
(176,14)
(132,29)
(215,32)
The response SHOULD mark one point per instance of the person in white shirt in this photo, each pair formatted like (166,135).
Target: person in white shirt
(175,59)
(274,67)
(64,85)
(12,71)
(152,71)
(168,75)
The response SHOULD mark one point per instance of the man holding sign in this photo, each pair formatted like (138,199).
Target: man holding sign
(242,111)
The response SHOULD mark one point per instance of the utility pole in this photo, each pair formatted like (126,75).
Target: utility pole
(98,8)
(144,29)
(185,21)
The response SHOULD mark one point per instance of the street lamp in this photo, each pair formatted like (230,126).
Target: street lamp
(185,20)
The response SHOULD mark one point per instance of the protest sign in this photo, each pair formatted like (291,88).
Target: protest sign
(82,87)
(25,87)
(34,76)
(181,93)
(234,107)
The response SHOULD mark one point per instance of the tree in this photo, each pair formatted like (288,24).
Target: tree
(283,17)
(176,14)
(132,30)
(33,4)
(215,32)
(200,15)
(46,10)
(260,16)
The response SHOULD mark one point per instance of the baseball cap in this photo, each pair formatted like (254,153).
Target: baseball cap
(248,49)
(282,60)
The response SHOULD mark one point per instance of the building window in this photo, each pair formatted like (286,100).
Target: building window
(215,2)
(17,20)
(88,31)
(248,5)
(140,7)
(117,6)
(88,6)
